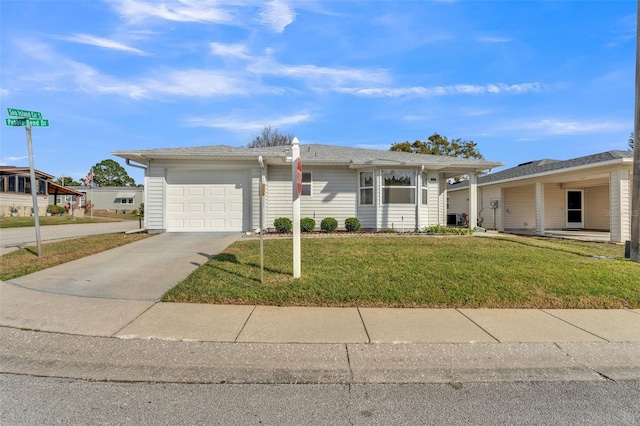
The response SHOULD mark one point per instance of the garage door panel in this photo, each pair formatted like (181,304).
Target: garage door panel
(206,200)
(196,191)
(174,191)
(196,207)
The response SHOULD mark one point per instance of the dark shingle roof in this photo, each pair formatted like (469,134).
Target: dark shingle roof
(544,166)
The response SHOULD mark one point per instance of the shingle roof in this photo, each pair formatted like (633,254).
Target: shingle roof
(544,166)
(314,153)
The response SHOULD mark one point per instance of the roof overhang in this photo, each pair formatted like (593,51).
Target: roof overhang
(55,189)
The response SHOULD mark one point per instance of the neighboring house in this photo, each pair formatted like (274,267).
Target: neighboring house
(591,193)
(113,198)
(15,190)
(217,188)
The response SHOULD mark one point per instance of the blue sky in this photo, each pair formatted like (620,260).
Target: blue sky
(524,79)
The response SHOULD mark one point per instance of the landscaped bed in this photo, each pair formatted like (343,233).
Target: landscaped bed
(419,271)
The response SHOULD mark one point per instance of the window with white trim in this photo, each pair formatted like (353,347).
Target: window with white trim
(126,200)
(398,187)
(425,181)
(306,184)
(366,188)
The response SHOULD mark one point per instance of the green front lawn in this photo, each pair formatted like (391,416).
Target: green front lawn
(419,271)
(21,222)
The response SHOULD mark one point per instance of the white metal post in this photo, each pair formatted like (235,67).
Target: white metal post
(295,157)
(34,190)
(473,200)
(635,191)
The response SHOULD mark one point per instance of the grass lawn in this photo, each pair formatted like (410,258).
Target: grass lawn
(21,222)
(25,261)
(419,271)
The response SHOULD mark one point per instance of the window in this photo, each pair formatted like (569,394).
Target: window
(21,183)
(2,181)
(126,200)
(425,180)
(306,184)
(398,187)
(12,184)
(366,188)
(42,186)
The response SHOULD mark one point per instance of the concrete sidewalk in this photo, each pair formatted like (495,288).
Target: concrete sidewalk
(102,321)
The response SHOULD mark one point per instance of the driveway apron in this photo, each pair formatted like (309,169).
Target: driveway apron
(113,286)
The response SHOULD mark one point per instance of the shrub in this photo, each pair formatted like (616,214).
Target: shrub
(282,224)
(307,224)
(352,224)
(329,224)
(141,209)
(55,209)
(439,229)
(134,211)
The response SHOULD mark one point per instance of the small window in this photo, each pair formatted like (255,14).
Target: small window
(425,181)
(21,184)
(126,200)
(366,188)
(306,184)
(12,184)
(398,187)
(2,181)
(42,186)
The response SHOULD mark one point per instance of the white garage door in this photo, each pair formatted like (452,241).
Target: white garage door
(200,200)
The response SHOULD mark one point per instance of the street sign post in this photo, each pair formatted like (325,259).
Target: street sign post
(27,119)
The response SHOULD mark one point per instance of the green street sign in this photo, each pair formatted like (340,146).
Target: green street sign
(23,113)
(26,122)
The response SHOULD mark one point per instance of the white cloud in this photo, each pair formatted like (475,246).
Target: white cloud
(277,14)
(14,159)
(136,11)
(493,39)
(234,50)
(238,124)
(102,42)
(456,89)
(570,127)
(4,92)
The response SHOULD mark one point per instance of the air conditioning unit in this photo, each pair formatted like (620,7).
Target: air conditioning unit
(453,219)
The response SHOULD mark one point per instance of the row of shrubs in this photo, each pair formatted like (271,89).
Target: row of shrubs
(307,224)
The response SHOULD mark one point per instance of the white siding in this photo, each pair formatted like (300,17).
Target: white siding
(436,200)
(596,206)
(155,196)
(334,194)
(520,207)
(458,201)
(255,199)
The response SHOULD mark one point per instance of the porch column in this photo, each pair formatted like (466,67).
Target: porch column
(540,226)
(473,200)
(619,206)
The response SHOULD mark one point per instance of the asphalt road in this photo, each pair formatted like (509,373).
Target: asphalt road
(14,238)
(26,400)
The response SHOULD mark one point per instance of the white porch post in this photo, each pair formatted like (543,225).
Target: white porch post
(473,200)
(540,226)
(620,206)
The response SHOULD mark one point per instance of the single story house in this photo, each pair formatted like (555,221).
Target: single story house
(15,191)
(217,188)
(590,193)
(112,198)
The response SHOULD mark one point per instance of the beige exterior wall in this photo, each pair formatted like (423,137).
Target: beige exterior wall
(555,206)
(596,208)
(519,207)
(23,202)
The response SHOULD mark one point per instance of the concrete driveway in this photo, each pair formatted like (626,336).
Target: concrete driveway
(102,293)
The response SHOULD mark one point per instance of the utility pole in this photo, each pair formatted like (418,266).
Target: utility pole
(635,190)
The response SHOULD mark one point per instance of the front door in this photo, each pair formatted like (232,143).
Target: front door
(574,209)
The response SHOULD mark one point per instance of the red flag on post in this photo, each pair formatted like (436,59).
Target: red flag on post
(89,178)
